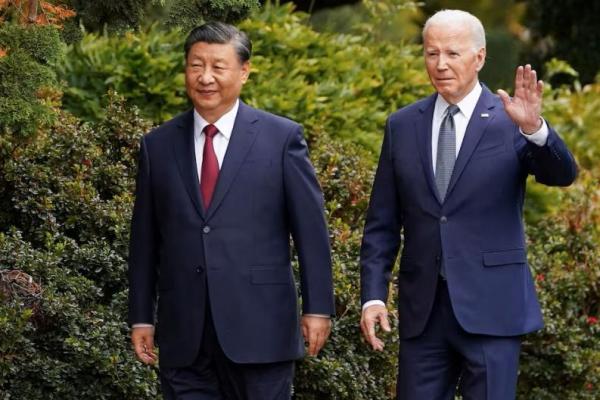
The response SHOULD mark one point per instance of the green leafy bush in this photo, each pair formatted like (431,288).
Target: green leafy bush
(68,200)
(562,361)
(146,68)
(315,78)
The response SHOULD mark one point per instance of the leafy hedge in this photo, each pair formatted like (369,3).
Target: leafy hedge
(316,78)
(66,193)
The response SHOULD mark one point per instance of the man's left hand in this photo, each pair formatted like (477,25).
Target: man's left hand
(525,107)
(315,330)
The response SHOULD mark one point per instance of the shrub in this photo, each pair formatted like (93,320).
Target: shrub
(146,68)
(310,77)
(562,361)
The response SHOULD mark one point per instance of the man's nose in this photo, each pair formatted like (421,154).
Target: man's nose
(441,63)
(206,77)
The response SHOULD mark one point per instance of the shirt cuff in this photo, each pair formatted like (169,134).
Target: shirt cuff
(317,315)
(142,326)
(373,303)
(540,137)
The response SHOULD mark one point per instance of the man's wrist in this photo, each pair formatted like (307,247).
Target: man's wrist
(317,315)
(373,303)
(141,325)
(539,137)
(530,130)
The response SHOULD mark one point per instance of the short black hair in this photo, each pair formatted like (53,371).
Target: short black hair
(221,33)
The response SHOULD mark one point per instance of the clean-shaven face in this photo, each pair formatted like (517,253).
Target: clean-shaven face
(452,61)
(214,77)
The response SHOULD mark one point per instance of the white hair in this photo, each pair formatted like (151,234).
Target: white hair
(458,17)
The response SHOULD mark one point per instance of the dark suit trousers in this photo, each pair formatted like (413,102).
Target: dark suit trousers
(213,376)
(445,358)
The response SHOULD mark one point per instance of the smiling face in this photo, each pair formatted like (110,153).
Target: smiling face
(214,77)
(451,60)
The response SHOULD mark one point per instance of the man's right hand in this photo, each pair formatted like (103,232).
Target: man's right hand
(371,316)
(143,344)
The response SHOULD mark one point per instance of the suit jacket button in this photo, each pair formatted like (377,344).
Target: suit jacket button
(199,269)
(443,220)
(206,229)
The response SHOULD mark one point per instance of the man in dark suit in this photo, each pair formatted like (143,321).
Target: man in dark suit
(220,190)
(451,180)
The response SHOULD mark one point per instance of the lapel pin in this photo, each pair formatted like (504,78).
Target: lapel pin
(485,115)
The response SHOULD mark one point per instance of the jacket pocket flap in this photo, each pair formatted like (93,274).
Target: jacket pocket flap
(270,276)
(516,256)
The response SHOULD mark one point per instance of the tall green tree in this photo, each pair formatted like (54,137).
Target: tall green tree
(116,16)
(568,30)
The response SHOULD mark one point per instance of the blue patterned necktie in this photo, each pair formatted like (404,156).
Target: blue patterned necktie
(446,151)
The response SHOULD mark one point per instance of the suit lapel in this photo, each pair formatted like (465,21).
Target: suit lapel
(475,130)
(423,129)
(242,138)
(186,159)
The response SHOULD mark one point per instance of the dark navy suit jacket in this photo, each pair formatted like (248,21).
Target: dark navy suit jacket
(477,231)
(236,254)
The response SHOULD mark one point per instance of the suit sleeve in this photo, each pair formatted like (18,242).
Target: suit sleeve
(142,247)
(381,237)
(551,164)
(305,209)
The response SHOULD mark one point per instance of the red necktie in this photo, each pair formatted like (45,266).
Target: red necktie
(210,166)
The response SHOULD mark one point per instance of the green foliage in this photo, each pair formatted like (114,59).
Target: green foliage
(573,111)
(75,180)
(326,80)
(328,73)
(146,68)
(566,29)
(563,360)
(347,368)
(117,16)
(26,80)
(188,14)
(68,196)
(40,42)
(75,343)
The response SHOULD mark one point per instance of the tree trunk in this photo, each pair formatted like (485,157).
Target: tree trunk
(33,11)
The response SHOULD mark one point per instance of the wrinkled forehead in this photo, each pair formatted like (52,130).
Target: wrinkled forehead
(448,34)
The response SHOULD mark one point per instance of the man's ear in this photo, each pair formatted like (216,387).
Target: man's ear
(480,58)
(245,71)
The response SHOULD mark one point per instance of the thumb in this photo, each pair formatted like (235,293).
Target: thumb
(504,97)
(385,323)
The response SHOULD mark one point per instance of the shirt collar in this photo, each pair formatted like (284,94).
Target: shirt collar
(223,124)
(466,105)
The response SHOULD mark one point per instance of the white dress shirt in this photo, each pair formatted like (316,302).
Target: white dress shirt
(221,139)
(461,120)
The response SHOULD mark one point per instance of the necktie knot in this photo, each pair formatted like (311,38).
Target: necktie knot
(210,130)
(452,110)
